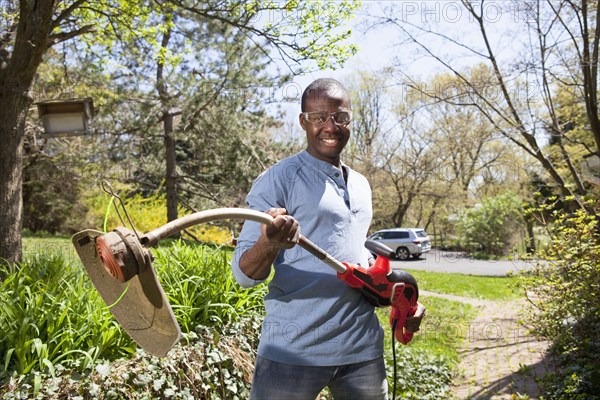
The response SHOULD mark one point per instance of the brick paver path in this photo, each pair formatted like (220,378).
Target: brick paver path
(500,359)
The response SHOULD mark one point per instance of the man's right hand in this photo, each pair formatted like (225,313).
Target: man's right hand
(283,232)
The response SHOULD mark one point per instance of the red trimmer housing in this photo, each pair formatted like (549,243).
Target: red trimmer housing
(384,287)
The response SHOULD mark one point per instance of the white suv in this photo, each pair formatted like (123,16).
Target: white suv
(405,242)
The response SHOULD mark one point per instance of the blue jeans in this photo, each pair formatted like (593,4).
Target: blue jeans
(361,381)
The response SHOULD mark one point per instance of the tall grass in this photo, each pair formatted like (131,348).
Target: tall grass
(50,314)
(201,287)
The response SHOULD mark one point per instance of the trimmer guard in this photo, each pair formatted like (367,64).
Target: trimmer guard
(139,305)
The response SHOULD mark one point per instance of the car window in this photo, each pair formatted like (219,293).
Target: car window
(395,235)
(399,235)
(421,234)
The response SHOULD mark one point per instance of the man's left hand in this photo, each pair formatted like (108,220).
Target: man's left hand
(413,322)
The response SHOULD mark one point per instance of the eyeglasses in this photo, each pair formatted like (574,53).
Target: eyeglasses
(318,118)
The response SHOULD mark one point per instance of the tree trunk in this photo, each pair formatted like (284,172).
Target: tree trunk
(12,125)
(171,173)
(400,213)
(169,142)
(16,78)
(530,235)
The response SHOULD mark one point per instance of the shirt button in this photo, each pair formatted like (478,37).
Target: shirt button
(337,174)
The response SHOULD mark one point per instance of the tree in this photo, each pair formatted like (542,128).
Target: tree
(390,146)
(30,28)
(221,142)
(431,157)
(575,137)
(370,96)
(468,143)
(517,94)
(214,80)
(491,227)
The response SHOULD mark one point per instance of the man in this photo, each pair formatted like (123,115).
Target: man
(318,332)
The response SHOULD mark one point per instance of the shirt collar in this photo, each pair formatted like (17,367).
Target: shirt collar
(324,166)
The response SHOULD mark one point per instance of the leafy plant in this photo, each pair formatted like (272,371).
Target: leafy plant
(201,288)
(52,322)
(50,314)
(490,227)
(564,295)
(206,365)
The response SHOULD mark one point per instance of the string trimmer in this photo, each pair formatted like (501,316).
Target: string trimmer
(119,264)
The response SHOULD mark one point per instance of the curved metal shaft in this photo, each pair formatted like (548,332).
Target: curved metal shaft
(153,237)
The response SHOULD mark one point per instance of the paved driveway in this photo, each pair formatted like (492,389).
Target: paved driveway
(449,261)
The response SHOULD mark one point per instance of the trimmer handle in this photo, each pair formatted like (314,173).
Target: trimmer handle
(380,249)
(404,303)
(384,287)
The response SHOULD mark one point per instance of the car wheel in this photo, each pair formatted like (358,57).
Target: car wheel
(402,253)
(416,255)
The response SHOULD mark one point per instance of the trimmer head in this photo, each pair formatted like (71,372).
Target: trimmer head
(121,270)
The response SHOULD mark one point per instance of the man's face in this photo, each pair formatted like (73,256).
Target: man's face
(326,141)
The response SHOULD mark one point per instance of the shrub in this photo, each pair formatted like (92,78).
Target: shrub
(50,313)
(564,292)
(490,228)
(54,326)
(146,213)
(206,365)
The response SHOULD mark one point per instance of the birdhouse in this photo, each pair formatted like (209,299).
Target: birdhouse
(62,117)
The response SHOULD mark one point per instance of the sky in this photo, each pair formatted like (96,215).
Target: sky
(373,54)
(380,48)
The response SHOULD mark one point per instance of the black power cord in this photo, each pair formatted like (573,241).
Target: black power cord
(394,322)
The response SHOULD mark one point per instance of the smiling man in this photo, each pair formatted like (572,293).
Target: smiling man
(326,115)
(318,332)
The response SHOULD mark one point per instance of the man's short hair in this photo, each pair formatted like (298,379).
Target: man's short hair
(321,85)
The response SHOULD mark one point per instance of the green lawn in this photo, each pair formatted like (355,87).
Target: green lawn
(478,287)
(49,245)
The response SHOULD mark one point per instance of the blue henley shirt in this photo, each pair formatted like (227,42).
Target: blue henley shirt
(312,317)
